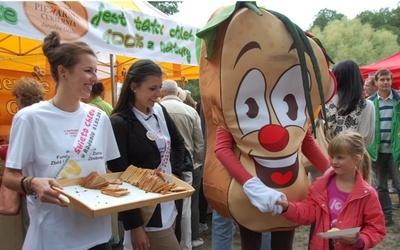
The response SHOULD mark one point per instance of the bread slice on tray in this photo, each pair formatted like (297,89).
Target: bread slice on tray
(94,181)
(115,193)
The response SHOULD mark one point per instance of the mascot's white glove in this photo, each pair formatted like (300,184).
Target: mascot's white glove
(263,197)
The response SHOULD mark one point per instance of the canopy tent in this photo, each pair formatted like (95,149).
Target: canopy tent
(391,63)
(122,32)
(23,53)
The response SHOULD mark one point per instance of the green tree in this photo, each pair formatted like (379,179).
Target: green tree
(193,87)
(383,19)
(167,7)
(325,16)
(350,39)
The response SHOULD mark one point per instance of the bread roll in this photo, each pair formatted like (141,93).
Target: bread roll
(333,229)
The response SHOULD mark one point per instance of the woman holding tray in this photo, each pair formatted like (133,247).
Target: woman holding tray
(147,138)
(56,139)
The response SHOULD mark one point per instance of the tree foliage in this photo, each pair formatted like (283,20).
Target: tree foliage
(350,39)
(167,7)
(325,16)
(193,87)
(383,19)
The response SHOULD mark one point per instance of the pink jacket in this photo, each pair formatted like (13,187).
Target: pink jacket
(362,209)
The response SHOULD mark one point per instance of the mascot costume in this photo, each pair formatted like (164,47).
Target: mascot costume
(261,81)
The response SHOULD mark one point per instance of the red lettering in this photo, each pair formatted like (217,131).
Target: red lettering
(81,140)
(85,131)
(89,118)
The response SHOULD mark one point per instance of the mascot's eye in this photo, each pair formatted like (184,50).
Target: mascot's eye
(253,107)
(250,104)
(288,98)
(292,106)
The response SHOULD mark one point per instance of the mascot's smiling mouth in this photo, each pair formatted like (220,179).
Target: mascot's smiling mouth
(277,173)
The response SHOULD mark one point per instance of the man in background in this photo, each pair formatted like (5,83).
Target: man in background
(188,122)
(370,87)
(385,148)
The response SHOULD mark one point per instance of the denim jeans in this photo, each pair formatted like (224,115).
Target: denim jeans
(223,231)
(381,170)
(266,241)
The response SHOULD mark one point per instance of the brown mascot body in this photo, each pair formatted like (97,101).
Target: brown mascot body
(253,86)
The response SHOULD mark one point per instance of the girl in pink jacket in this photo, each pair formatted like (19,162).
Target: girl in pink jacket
(342,198)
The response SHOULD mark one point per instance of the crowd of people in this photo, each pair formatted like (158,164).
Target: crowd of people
(155,125)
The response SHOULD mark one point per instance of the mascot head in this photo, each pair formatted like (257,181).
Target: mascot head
(261,79)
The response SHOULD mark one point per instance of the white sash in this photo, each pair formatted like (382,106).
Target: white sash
(163,140)
(87,132)
(165,165)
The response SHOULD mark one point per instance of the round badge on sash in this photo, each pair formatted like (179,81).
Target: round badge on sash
(151,135)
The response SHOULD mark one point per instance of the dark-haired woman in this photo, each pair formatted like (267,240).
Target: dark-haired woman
(46,144)
(348,109)
(97,98)
(148,138)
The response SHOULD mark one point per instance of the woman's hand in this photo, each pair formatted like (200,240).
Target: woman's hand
(139,239)
(42,187)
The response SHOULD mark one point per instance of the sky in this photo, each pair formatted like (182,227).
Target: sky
(302,12)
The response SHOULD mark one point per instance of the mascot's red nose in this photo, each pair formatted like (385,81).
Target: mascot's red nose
(273,137)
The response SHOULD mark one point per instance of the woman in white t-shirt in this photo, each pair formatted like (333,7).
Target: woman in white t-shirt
(56,139)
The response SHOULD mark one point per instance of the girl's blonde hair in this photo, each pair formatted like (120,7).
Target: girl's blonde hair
(351,143)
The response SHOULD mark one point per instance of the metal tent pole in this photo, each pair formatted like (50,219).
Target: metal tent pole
(113,83)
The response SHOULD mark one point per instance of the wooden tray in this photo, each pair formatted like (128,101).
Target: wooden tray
(93,203)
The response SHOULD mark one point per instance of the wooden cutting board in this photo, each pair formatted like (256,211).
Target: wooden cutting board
(93,203)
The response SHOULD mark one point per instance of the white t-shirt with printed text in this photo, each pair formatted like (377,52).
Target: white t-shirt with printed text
(41,144)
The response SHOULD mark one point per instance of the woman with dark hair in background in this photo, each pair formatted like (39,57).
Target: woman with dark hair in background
(348,109)
(96,98)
